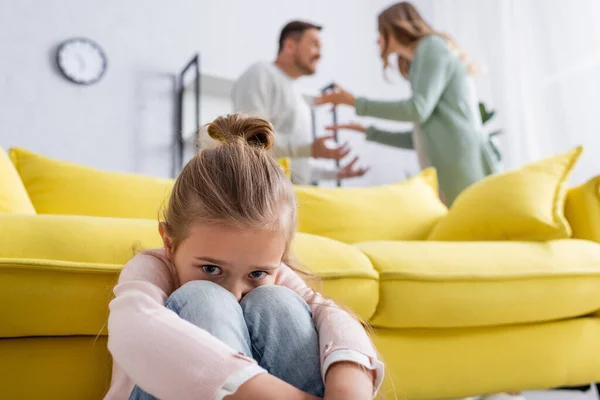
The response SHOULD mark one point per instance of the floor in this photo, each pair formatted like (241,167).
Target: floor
(562,395)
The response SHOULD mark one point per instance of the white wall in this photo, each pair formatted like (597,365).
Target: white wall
(542,75)
(125,122)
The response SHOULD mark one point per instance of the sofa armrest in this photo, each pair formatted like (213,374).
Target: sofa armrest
(582,209)
(57,272)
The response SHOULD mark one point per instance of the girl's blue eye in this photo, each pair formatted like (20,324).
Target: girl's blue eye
(257,274)
(211,270)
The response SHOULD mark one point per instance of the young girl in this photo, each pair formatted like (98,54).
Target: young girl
(218,312)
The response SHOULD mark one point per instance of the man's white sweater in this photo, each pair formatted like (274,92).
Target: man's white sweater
(266,91)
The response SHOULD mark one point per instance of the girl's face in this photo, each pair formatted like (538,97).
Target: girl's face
(238,260)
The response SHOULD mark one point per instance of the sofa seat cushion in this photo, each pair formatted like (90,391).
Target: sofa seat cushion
(91,240)
(469,284)
(344,273)
(57,272)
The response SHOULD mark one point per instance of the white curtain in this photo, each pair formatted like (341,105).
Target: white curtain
(541,72)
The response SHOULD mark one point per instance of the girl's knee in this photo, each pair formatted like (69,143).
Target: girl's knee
(214,309)
(265,299)
(205,292)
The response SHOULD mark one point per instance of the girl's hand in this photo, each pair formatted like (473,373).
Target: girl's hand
(335,97)
(353,126)
(348,381)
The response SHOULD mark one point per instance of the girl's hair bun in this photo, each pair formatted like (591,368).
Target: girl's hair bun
(236,128)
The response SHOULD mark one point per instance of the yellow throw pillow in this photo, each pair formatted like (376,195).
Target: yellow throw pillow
(58,187)
(582,210)
(523,204)
(403,211)
(13,196)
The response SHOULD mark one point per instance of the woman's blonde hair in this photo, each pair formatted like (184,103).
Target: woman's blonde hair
(236,183)
(403,22)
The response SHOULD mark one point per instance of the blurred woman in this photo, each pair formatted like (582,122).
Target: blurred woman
(447,131)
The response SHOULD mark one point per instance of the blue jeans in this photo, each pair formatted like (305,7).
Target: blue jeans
(271,324)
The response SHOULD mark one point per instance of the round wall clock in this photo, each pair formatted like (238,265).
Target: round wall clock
(81,61)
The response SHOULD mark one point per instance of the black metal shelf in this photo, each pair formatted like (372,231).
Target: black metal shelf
(179,140)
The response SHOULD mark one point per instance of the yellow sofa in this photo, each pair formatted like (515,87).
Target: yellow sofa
(450,319)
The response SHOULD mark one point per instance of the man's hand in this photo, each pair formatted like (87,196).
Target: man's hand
(335,97)
(353,126)
(321,150)
(348,381)
(350,170)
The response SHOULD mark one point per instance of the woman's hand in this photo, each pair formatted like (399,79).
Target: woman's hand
(335,97)
(348,381)
(353,126)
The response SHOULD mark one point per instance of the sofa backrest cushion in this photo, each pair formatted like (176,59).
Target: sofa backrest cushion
(59,187)
(404,211)
(524,204)
(582,210)
(13,196)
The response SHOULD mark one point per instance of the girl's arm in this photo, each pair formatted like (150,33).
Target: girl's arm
(167,356)
(430,73)
(254,389)
(348,381)
(345,346)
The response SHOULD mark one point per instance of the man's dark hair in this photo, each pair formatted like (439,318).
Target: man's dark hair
(294,30)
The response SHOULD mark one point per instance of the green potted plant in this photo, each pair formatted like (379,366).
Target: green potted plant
(486,116)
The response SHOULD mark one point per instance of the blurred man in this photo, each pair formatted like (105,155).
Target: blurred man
(269,90)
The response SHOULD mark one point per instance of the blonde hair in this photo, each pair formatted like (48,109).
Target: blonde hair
(403,22)
(236,183)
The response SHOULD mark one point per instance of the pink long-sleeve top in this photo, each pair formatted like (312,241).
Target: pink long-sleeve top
(171,358)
